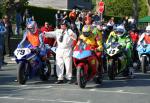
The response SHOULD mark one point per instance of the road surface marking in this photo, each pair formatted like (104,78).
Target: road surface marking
(42,100)
(24,87)
(104,91)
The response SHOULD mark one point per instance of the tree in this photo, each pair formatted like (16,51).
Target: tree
(118,7)
(9,7)
(122,8)
(148,5)
(135,9)
(148,2)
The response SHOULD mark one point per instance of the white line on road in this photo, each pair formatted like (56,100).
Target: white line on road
(24,87)
(42,100)
(104,91)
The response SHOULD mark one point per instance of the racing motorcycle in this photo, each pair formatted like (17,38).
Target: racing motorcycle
(31,64)
(144,56)
(116,60)
(86,64)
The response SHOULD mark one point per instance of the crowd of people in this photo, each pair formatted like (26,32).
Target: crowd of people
(85,26)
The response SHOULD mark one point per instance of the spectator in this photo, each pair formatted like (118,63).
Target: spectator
(2,43)
(19,18)
(88,19)
(72,16)
(18,23)
(79,24)
(74,29)
(125,22)
(134,37)
(132,23)
(47,28)
(28,16)
(96,17)
(58,18)
(65,16)
(7,23)
(49,41)
(111,22)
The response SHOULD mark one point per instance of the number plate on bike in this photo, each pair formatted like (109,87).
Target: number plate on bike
(21,52)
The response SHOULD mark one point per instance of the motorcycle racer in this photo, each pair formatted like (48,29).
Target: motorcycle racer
(145,36)
(126,42)
(33,37)
(93,39)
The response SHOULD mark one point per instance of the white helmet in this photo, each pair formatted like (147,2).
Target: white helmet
(120,30)
(148,28)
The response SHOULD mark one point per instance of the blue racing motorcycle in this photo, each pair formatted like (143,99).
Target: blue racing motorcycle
(144,56)
(31,63)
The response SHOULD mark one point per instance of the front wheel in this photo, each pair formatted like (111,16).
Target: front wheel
(110,68)
(144,64)
(81,78)
(22,73)
(45,71)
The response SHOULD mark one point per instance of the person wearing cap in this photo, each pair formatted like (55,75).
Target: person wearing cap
(64,38)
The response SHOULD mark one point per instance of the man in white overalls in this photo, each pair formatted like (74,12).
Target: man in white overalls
(64,38)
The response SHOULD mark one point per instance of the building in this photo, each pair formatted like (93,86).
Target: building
(62,4)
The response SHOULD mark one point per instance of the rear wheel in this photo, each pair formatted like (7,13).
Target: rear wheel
(22,73)
(110,68)
(45,71)
(81,78)
(144,64)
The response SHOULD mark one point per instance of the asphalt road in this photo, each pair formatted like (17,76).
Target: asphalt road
(120,90)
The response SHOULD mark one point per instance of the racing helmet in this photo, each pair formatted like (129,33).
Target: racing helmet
(120,30)
(148,28)
(32,27)
(86,30)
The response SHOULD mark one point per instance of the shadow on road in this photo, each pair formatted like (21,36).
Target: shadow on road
(139,80)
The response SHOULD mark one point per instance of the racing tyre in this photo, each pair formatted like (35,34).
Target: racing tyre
(22,73)
(81,78)
(46,71)
(144,64)
(110,68)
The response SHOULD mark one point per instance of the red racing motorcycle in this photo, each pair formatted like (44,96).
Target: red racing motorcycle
(86,63)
